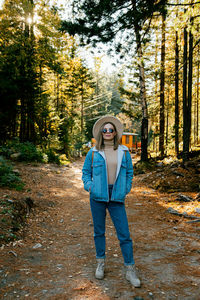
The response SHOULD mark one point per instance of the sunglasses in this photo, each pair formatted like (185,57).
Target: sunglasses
(110,130)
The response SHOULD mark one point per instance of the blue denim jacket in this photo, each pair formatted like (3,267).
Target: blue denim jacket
(95,177)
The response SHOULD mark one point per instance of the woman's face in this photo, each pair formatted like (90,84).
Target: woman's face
(108,132)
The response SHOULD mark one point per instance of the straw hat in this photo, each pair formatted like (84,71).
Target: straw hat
(105,120)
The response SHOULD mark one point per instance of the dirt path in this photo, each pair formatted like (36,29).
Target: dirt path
(56,259)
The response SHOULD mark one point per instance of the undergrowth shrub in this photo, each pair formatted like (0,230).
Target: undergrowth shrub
(29,152)
(9,177)
(52,156)
(142,167)
(26,151)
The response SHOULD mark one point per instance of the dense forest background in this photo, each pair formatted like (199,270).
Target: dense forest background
(50,98)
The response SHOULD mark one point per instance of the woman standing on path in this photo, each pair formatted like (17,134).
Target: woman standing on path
(107,175)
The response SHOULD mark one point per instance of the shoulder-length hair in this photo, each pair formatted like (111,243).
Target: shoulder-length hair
(100,141)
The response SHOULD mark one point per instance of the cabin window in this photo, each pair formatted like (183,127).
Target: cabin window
(127,139)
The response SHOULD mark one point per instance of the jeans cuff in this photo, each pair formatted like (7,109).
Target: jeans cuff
(129,264)
(100,257)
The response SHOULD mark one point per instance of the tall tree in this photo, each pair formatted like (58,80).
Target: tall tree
(17,46)
(190,76)
(197,98)
(104,21)
(185,108)
(187,90)
(162,89)
(28,80)
(176,95)
(31,47)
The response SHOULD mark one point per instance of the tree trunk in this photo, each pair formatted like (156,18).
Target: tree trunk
(162,91)
(156,62)
(190,73)
(23,120)
(28,82)
(187,104)
(82,111)
(167,122)
(197,128)
(143,98)
(176,95)
(194,113)
(32,74)
(185,107)
(144,127)
(57,92)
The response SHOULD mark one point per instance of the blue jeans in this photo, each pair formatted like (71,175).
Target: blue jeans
(119,218)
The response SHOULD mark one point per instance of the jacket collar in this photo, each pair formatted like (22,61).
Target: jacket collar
(120,147)
(120,153)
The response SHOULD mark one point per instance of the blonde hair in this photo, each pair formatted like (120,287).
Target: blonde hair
(100,141)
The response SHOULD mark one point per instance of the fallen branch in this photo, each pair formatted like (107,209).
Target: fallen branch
(184,214)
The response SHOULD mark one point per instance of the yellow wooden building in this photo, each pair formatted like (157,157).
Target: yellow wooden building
(130,140)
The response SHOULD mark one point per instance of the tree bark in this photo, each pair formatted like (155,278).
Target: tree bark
(162,91)
(167,122)
(22,120)
(82,104)
(176,95)
(144,127)
(190,75)
(57,92)
(28,82)
(143,98)
(197,128)
(31,135)
(185,106)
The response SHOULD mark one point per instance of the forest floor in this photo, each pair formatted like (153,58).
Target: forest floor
(54,257)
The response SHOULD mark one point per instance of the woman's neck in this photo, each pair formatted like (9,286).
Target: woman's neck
(109,144)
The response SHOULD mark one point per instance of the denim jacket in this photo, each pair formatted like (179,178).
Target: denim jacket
(94,175)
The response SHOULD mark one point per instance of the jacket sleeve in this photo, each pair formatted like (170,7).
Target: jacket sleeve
(87,171)
(129,172)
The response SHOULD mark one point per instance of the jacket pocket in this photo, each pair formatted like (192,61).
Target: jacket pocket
(97,168)
(90,188)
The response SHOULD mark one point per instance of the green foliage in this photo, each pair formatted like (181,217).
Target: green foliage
(101,21)
(46,88)
(141,167)
(26,151)
(6,150)
(52,156)
(11,220)
(8,177)
(85,149)
(64,135)
(29,152)
(64,160)
(58,159)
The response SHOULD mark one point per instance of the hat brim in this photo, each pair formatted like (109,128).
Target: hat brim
(108,119)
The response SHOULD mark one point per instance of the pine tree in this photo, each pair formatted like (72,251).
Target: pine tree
(104,21)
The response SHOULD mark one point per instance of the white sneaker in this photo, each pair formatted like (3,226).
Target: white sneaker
(131,276)
(99,274)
